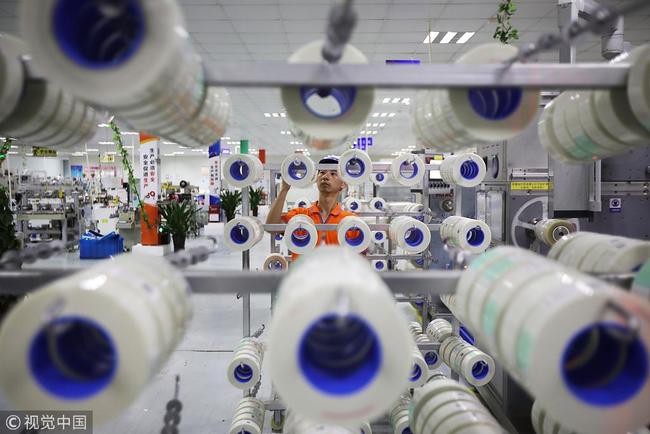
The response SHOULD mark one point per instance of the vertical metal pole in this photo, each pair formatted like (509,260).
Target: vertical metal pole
(567,12)
(426,202)
(571,183)
(458,200)
(456,332)
(273,193)
(246,265)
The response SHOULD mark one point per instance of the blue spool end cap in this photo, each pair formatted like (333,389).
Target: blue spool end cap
(495,103)
(603,366)
(99,35)
(340,355)
(73,358)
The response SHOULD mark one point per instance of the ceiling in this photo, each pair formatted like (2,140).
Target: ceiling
(270,30)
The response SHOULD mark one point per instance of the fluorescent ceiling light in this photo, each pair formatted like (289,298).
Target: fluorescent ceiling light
(430,37)
(275,115)
(395,100)
(105,143)
(12,153)
(448,37)
(128,147)
(406,101)
(109,153)
(382,125)
(225,138)
(198,150)
(466,37)
(92,150)
(368,125)
(103,125)
(383,115)
(12,146)
(267,115)
(283,115)
(374,132)
(386,100)
(129,133)
(375,115)
(390,115)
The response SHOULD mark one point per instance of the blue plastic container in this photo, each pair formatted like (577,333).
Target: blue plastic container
(95,246)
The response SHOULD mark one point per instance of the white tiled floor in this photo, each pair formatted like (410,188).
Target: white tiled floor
(200,359)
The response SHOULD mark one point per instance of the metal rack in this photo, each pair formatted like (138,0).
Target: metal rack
(424,285)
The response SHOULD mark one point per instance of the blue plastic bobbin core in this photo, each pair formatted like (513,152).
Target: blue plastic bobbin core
(475,236)
(469,169)
(351,240)
(495,103)
(340,355)
(408,170)
(414,237)
(609,374)
(275,265)
(480,370)
(343,96)
(73,357)
(239,234)
(239,170)
(379,265)
(297,170)
(99,34)
(300,237)
(355,167)
(379,236)
(379,177)
(243,373)
(354,206)
(466,335)
(416,373)
(431,358)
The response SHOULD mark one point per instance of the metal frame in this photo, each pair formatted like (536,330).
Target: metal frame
(540,75)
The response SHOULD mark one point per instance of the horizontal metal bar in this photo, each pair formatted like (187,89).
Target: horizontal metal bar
(377,167)
(439,75)
(379,256)
(625,187)
(244,282)
(332,227)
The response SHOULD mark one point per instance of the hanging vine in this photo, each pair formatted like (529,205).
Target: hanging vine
(504,31)
(126,164)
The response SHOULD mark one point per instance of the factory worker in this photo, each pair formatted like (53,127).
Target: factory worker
(326,210)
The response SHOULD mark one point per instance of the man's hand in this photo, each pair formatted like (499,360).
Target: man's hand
(275,212)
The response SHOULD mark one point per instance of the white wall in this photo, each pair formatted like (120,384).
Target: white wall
(18,164)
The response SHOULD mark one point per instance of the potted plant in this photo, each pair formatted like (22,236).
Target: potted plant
(178,221)
(230,200)
(255,195)
(8,241)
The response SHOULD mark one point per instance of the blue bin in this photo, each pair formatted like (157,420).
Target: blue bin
(96,246)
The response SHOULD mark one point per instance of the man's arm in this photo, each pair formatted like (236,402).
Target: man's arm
(275,213)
